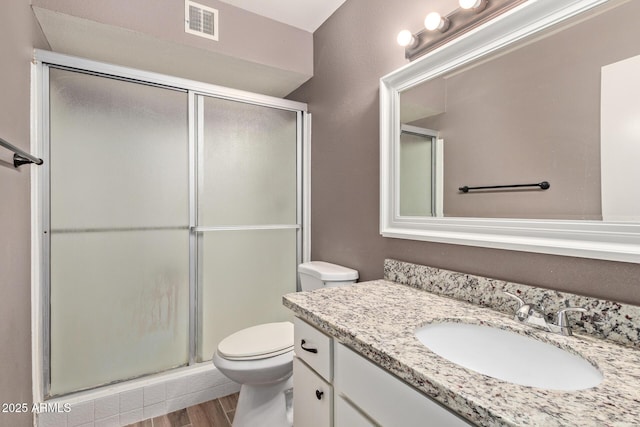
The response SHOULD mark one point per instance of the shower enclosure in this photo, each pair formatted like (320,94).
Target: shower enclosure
(420,164)
(169,213)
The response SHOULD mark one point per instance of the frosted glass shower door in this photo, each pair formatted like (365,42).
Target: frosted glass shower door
(248,220)
(119,237)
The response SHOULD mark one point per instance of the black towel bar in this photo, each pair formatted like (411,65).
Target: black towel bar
(20,157)
(544,185)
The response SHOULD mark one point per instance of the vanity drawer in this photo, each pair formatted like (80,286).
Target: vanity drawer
(314,347)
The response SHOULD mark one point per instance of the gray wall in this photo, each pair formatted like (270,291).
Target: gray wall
(353,49)
(253,53)
(243,34)
(18,34)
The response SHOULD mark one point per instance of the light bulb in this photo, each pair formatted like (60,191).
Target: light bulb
(469,4)
(405,38)
(434,21)
(476,5)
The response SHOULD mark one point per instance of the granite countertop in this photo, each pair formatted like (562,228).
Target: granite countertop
(378,318)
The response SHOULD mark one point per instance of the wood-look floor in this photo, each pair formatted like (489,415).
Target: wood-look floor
(215,413)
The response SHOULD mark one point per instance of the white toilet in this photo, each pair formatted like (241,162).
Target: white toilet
(261,357)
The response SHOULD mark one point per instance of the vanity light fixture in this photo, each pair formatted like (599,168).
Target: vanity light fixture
(442,29)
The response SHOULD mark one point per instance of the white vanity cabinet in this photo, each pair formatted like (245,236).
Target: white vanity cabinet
(334,385)
(312,376)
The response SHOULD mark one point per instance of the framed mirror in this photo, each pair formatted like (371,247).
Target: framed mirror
(522,134)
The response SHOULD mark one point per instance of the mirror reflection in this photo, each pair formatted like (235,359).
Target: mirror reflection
(420,163)
(563,107)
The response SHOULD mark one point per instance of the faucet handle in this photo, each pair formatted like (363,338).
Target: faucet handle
(563,321)
(524,310)
(515,297)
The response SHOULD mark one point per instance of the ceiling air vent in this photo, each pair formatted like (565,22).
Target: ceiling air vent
(200,20)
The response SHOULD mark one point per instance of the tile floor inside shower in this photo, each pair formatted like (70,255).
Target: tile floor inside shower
(215,413)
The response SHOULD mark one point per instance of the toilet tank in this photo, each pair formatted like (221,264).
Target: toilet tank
(320,274)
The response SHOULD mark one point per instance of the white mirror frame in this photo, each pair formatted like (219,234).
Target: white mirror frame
(616,241)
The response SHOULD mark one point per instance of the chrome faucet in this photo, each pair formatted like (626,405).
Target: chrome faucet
(533,315)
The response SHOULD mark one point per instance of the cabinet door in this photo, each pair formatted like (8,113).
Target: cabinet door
(348,416)
(384,398)
(312,397)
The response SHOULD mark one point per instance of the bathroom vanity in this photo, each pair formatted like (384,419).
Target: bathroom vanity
(359,363)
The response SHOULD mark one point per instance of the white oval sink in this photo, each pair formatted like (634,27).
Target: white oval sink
(509,356)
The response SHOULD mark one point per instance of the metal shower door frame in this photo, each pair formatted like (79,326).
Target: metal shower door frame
(40,188)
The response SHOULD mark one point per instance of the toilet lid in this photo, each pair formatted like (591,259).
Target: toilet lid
(258,342)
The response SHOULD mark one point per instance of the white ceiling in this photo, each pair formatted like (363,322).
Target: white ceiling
(304,14)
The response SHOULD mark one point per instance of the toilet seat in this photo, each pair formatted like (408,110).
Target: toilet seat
(258,342)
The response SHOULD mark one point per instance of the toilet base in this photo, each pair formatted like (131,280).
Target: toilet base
(269,405)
